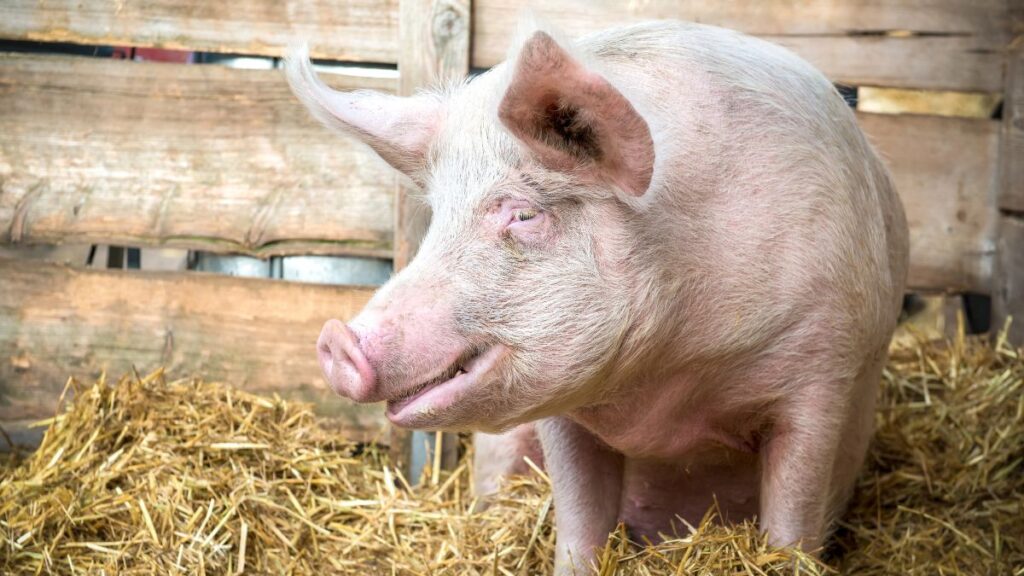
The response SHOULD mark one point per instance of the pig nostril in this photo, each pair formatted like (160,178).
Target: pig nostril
(357,335)
(323,352)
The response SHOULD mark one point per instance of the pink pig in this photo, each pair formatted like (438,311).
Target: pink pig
(669,245)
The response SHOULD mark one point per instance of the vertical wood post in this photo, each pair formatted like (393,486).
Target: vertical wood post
(433,38)
(1008,273)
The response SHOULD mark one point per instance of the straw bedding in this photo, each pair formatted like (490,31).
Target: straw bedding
(189,477)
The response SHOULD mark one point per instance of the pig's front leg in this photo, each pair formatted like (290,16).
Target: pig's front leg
(797,471)
(498,456)
(587,482)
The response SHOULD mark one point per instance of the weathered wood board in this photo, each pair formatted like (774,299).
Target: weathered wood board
(357,30)
(201,157)
(1011,196)
(256,334)
(946,173)
(1008,292)
(935,44)
(1008,277)
(434,47)
(229,161)
(942,44)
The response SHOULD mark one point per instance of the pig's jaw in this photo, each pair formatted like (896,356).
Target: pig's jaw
(424,403)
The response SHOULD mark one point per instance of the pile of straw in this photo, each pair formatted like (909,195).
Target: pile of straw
(943,492)
(188,477)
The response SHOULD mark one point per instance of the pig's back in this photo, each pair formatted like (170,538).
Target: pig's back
(763,181)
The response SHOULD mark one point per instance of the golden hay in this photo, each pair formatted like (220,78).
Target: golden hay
(188,477)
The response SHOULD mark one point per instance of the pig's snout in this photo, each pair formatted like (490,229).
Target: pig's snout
(345,366)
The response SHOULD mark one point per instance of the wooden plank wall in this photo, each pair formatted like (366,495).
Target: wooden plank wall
(1008,279)
(230,162)
(946,172)
(270,182)
(201,157)
(942,44)
(354,30)
(224,160)
(257,334)
(935,44)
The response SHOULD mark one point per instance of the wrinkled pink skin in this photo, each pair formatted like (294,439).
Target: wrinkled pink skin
(670,245)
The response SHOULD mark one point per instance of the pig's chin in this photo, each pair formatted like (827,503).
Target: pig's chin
(428,404)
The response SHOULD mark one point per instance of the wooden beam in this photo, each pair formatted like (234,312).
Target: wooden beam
(764,18)
(933,44)
(355,30)
(919,62)
(1008,289)
(209,158)
(1011,190)
(434,48)
(946,173)
(941,44)
(256,334)
(1008,296)
(202,157)
(434,38)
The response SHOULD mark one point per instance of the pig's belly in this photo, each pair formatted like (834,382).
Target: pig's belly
(656,492)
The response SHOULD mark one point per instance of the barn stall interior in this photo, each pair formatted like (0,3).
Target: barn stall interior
(152,156)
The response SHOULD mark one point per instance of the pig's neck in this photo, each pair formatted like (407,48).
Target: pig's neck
(674,416)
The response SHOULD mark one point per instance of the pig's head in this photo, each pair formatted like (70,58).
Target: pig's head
(523,296)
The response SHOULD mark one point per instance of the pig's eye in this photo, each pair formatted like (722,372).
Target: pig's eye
(525,214)
(521,221)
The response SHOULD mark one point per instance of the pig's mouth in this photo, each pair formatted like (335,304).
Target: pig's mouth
(436,394)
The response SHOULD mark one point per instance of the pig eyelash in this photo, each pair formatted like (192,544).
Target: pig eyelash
(525,214)
(520,216)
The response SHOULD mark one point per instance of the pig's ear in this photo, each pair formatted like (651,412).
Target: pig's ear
(574,119)
(399,129)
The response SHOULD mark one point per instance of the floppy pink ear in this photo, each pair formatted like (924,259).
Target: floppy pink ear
(399,129)
(572,118)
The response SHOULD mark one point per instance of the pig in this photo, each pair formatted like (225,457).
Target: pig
(667,249)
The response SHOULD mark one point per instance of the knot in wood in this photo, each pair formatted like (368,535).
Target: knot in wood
(448,23)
